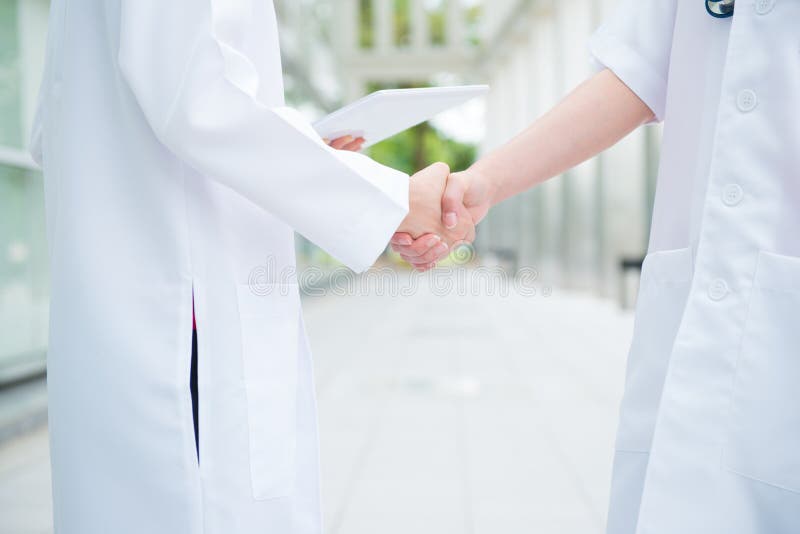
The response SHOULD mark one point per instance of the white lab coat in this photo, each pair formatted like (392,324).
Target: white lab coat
(709,435)
(173,171)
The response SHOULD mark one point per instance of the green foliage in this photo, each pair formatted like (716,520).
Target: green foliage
(415,149)
(401,32)
(402,22)
(474,15)
(366,33)
(436,21)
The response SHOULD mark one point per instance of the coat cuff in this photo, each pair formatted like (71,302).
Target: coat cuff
(380,203)
(632,69)
(372,229)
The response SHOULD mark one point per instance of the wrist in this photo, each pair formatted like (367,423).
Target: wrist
(484,180)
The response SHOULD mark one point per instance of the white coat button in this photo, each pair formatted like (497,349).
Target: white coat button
(718,289)
(746,100)
(732,194)
(764,6)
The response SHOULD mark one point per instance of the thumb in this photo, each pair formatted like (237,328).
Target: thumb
(402,238)
(452,201)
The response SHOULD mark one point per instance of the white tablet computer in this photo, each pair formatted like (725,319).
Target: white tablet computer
(383,114)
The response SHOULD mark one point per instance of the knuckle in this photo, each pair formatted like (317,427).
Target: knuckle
(420,248)
(442,166)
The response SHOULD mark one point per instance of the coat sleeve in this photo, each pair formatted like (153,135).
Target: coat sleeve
(199,95)
(635,43)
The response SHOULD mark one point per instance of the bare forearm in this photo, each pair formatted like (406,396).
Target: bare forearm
(600,112)
(596,115)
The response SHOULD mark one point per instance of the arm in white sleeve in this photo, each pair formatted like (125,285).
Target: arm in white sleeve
(635,43)
(198,94)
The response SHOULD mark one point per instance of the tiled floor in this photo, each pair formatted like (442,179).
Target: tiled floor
(25,505)
(463,415)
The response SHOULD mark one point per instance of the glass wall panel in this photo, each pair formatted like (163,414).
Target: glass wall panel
(23,270)
(10,79)
(23,250)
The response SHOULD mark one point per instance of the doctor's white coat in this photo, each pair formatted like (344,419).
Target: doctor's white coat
(174,176)
(709,436)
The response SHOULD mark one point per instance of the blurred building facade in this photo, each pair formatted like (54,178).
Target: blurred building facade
(576,229)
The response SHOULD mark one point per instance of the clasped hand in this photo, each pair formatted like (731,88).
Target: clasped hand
(443,211)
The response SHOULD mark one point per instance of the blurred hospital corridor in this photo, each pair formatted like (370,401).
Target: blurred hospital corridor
(438,415)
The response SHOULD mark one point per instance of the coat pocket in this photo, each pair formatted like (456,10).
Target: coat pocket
(663,290)
(764,434)
(270,330)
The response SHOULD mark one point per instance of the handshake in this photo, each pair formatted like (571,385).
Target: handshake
(443,211)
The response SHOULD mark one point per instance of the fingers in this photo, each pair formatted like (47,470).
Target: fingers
(347,142)
(431,256)
(402,239)
(355,145)
(340,142)
(466,226)
(452,202)
(422,253)
(418,247)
